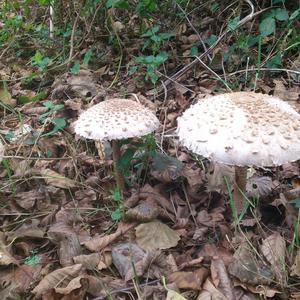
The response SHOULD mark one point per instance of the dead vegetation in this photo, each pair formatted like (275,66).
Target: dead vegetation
(65,232)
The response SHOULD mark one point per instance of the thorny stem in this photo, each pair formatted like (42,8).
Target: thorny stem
(118,174)
(240,187)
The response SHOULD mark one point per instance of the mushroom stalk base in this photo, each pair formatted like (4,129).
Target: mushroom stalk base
(118,174)
(240,187)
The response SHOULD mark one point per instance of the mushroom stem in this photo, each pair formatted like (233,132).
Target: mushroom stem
(118,174)
(240,187)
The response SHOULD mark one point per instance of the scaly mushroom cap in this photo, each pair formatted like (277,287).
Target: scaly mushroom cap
(116,119)
(242,128)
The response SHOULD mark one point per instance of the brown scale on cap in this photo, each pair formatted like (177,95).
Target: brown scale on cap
(263,130)
(116,119)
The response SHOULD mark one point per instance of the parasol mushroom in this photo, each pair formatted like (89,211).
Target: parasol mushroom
(242,129)
(114,120)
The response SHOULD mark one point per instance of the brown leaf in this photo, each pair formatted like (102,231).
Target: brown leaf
(59,277)
(57,180)
(209,291)
(89,261)
(295,269)
(28,199)
(248,268)
(221,279)
(189,280)
(100,242)
(273,248)
(5,257)
(143,212)
(74,284)
(156,235)
(67,239)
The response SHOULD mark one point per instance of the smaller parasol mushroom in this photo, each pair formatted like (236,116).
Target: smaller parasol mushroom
(114,120)
(242,129)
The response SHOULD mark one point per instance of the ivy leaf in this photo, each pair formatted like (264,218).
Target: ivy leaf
(267,26)
(281,14)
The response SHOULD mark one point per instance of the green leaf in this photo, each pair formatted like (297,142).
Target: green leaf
(294,15)
(194,51)
(75,68)
(117,3)
(232,23)
(151,31)
(296,202)
(116,215)
(267,26)
(87,57)
(275,61)
(25,99)
(210,40)
(281,14)
(59,123)
(124,162)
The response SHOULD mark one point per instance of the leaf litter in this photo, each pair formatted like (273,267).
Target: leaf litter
(58,240)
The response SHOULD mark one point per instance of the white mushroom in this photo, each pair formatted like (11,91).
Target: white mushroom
(242,129)
(113,120)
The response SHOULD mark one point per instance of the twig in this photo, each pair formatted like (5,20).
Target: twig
(264,69)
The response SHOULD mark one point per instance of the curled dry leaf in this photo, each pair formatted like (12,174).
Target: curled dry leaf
(221,279)
(5,257)
(156,235)
(100,242)
(209,291)
(215,177)
(273,248)
(166,168)
(295,269)
(57,180)
(29,229)
(131,260)
(259,186)
(172,295)
(143,212)
(69,245)
(89,261)
(210,220)
(74,284)
(189,280)
(247,268)
(58,278)
(28,199)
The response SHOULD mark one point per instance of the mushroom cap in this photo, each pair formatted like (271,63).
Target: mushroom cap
(242,128)
(116,119)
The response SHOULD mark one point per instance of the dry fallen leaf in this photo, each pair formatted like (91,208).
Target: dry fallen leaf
(273,248)
(209,291)
(295,269)
(156,235)
(172,295)
(58,278)
(221,279)
(57,180)
(189,280)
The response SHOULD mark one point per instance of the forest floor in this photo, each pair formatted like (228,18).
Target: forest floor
(65,231)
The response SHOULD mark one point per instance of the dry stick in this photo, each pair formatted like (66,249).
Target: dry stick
(116,156)
(177,75)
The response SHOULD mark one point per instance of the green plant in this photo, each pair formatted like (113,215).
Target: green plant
(151,62)
(58,123)
(33,259)
(116,214)
(40,61)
